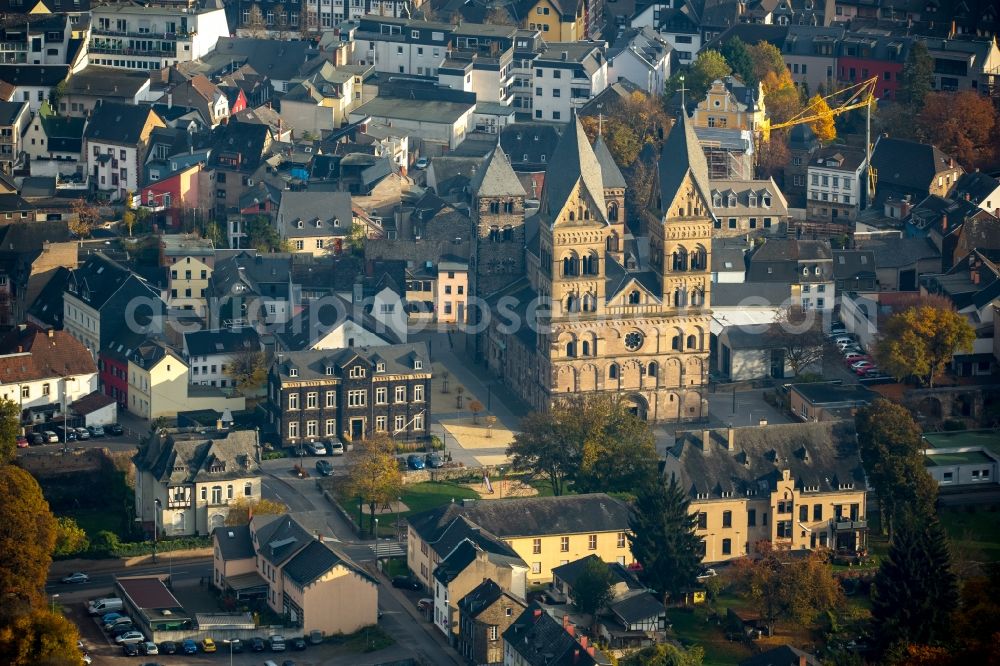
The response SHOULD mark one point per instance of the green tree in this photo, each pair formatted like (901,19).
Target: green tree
(27,537)
(70,538)
(544,447)
(10,428)
(592,588)
(128,216)
(917,78)
(248,368)
(738,56)
(242,509)
(665,654)
(766,59)
(915,591)
(707,67)
(39,638)
(823,127)
(106,543)
(921,340)
(661,534)
(375,475)
(262,235)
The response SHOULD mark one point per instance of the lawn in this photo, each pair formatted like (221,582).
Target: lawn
(976,532)
(93,521)
(416,496)
(692,628)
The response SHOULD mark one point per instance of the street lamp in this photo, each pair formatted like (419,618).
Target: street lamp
(54,597)
(399,500)
(229,642)
(501,483)
(376,543)
(156,510)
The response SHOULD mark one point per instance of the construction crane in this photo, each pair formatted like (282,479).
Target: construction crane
(852,97)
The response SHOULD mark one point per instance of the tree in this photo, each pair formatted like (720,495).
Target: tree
(262,235)
(375,477)
(27,537)
(823,127)
(39,637)
(243,509)
(786,586)
(707,67)
(498,15)
(10,428)
(766,59)
(627,126)
(254,26)
(917,78)
(889,444)
(661,535)
(248,368)
(976,631)
(774,155)
(915,591)
(85,217)
(738,56)
(128,217)
(798,330)
(544,447)
(70,538)
(665,654)
(783,100)
(592,588)
(281,22)
(961,124)
(921,340)
(475,407)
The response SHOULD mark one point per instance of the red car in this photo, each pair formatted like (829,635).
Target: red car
(22,442)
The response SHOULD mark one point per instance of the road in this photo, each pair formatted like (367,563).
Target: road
(183,571)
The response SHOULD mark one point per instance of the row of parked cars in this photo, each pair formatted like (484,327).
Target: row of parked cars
(68,434)
(855,357)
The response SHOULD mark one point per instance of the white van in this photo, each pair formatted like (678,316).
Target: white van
(102,606)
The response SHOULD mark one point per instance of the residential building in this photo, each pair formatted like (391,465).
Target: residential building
(153,37)
(854,270)
(332,323)
(208,353)
(810,52)
(301,575)
(435,115)
(641,56)
(202,95)
(250,289)
(158,385)
(566,75)
(964,459)
(315,223)
(837,184)
(467,565)
(980,189)
(54,144)
(189,261)
(805,264)
(748,207)
(676,24)
(544,531)
(35,40)
(862,56)
(115,142)
(538,638)
(965,64)
(904,167)
(828,401)
(235,164)
(899,262)
(171,197)
(943,221)
(112,359)
(662,376)
(13,121)
(729,104)
(305,18)
(33,83)
(451,285)
(43,372)
(321,102)
(797,486)
(280,61)
(102,297)
(350,393)
(484,614)
(95,83)
(186,481)
(802,143)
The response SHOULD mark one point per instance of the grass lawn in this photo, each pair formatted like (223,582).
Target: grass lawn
(691,628)
(416,496)
(395,566)
(93,521)
(977,531)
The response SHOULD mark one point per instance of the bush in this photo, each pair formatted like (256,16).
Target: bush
(953,424)
(105,544)
(275,455)
(436,443)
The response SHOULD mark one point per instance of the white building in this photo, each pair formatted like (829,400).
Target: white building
(566,75)
(642,57)
(209,353)
(152,37)
(115,142)
(675,25)
(836,184)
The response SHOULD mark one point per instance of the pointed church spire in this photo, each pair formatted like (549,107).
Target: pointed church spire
(610,173)
(681,155)
(496,178)
(573,161)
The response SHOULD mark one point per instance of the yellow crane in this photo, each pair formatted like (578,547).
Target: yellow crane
(847,99)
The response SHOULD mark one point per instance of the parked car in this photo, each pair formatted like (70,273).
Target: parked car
(50,437)
(872,373)
(298,643)
(277,643)
(406,583)
(852,358)
(257,644)
(114,625)
(864,370)
(434,460)
(36,438)
(335,447)
(425,605)
(114,430)
(316,448)
(858,364)
(22,442)
(707,573)
(130,637)
(130,649)
(82,433)
(108,618)
(87,659)
(421,163)
(76,578)
(66,433)
(324,468)
(148,648)
(188,646)
(315,637)
(96,430)
(236,645)
(120,627)
(208,645)
(168,647)
(413,461)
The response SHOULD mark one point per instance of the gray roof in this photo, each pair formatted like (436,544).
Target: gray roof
(332,211)
(496,178)
(253,270)
(107,82)
(114,122)
(312,364)
(315,560)
(277,59)
(184,458)
(280,537)
(575,163)
(9,111)
(850,264)
(465,553)
(235,543)
(826,393)
(541,640)
(682,154)
(741,190)
(422,110)
(819,454)
(977,186)
(900,252)
(908,165)
(750,337)
(744,294)
(482,597)
(612,175)
(645,43)
(637,607)
(225,341)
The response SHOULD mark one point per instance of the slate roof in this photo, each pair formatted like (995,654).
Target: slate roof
(818,454)
(452,175)
(48,305)
(279,538)
(27,237)
(331,209)
(851,264)
(610,172)
(900,252)
(63,134)
(783,655)
(480,598)
(99,278)
(526,143)
(721,13)
(261,192)
(107,82)
(114,122)
(312,364)
(460,530)
(846,159)
(645,43)
(742,189)
(178,458)
(277,59)
(635,608)
(746,294)
(315,560)
(541,640)
(529,516)
(42,76)
(264,275)
(750,337)
(226,341)
(571,571)
(908,165)
(576,163)
(977,186)
(826,393)
(496,178)
(235,542)
(960,287)
(91,402)
(801,39)
(682,154)
(9,111)
(615,94)
(249,140)
(43,356)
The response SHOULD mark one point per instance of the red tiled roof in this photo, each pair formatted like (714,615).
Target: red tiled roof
(43,354)
(91,402)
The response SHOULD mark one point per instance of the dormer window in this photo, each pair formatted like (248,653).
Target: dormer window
(753,199)
(336,222)
(717,200)
(380,367)
(816,270)
(805,270)
(293,372)
(319,223)
(357,372)
(299,224)
(732,201)
(418,364)
(766,200)
(329,370)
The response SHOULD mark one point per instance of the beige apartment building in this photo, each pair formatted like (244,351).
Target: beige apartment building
(797,486)
(189,261)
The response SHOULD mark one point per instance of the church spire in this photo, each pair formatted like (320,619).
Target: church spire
(496,178)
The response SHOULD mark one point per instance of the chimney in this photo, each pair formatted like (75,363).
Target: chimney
(20,349)
(170,100)
(730,438)
(565,55)
(975,276)
(803,660)
(318,537)
(591,651)
(583,641)
(51,332)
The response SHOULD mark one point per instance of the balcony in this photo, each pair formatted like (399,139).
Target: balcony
(109,49)
(849,525)
(169,36)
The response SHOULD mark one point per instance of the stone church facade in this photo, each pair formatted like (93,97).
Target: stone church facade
(587,307)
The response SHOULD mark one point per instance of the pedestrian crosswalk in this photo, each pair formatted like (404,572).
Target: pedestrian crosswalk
(388,550)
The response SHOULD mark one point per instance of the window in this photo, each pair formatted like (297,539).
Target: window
(312,400)
(331,399)
(536,546)
(727,546)
(357,372)
(381,395)
(564,544)
(216,494)
(727,518)
(494,632)
(702,520)
(592,542)
(817,512)
(784,506)
(45,389)
(784,529)
(229,491)
(293,401)
(400,422)
(418,393)
(751,517)
(357,398)
(803,513)
(25,391)
(330,428)
(400,394)
(248,489)
(380,423)
(536,567)
(621,539)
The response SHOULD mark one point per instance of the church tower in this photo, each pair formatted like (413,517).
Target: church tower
(497,212)
(614,197)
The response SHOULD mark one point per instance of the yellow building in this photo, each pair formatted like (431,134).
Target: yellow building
(557,21)
(189,261)
(798,486)
(545,532)
(730,104)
